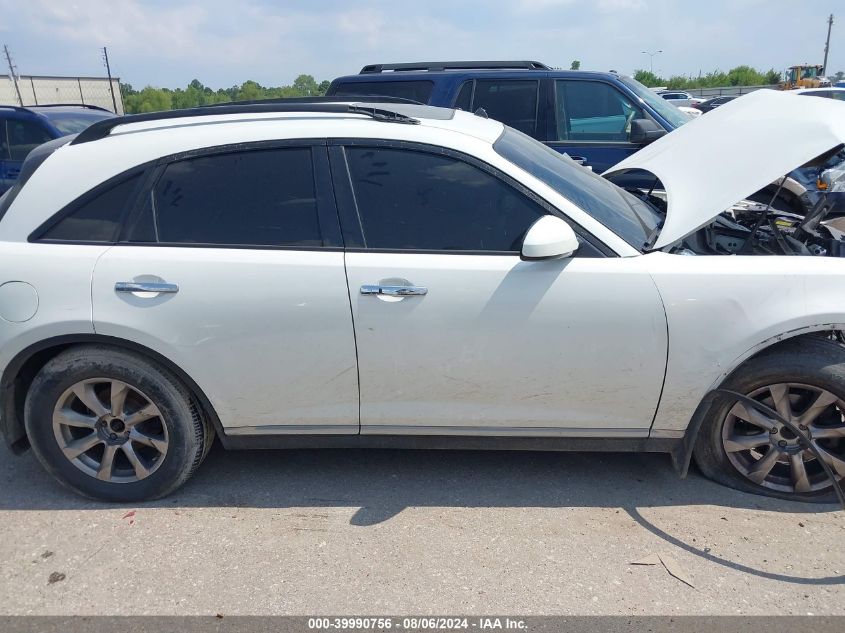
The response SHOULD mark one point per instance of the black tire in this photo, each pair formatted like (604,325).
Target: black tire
(809,360)
(188,437)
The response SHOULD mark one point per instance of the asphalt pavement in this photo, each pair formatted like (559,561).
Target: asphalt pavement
(418,532)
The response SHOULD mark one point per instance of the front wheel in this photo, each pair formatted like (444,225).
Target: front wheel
(112,425)
(804,381)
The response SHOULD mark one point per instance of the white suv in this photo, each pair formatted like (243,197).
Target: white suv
(336,274)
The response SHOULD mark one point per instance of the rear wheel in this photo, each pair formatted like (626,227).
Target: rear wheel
(112,425)
(804,381)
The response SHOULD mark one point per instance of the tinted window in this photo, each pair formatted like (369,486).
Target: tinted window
(24,136)
(98,218)
(627,216)
(415,200)
(74,122)
(464,100)
(513,103)
(670,113)
(593,111)
(414,90)
(4,141)
(260,198)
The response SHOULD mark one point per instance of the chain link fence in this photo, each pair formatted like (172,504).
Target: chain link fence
(70,90)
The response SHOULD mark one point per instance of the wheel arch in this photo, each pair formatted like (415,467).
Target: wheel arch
(682,455)
(21,370)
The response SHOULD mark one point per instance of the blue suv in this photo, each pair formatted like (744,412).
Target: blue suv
(597,118)
(24,129)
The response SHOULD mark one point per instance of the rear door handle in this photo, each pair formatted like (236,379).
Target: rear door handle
(145,286)
(393,291)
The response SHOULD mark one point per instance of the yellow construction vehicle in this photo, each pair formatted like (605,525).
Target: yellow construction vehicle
(803,76)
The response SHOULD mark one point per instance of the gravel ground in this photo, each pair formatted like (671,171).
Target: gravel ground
(400,532)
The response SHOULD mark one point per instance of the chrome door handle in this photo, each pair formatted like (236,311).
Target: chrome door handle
(393,291)
(145,286)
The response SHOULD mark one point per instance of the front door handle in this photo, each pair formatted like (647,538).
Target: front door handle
(393,291)
(145,286)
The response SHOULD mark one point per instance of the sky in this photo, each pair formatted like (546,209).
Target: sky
(167,43)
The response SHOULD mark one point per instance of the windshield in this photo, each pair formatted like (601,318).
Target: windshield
(657,103)
(629,217)
(74,122)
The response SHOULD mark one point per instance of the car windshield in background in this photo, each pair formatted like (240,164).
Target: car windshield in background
(626,215)
(73,122)
(658,103)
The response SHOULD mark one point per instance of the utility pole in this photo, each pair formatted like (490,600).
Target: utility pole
(12,73)
(827,44)
(108,72)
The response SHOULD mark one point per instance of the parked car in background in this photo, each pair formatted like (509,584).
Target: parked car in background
(714,102)
(680,98)
(23,129)
(690,112)
(597,118)
(394,275)
(829,93)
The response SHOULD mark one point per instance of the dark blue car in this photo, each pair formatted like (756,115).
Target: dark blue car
(597,118)
(24,129)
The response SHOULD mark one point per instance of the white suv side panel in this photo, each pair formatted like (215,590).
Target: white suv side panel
(45,292)
(266,334)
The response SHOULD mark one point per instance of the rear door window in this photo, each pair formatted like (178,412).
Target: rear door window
(513,102)
(593,111)
(414,90)
(253,198)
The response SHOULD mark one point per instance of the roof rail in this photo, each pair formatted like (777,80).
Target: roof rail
(471,65)
(14,107)
(69,105)
(334,99)
(101,129)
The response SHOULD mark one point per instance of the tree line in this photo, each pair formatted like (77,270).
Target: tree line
(739,76)
(196,94)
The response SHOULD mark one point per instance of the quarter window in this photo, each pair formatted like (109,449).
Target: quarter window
(593,111)
(413,200)
(258,198)
(96,219)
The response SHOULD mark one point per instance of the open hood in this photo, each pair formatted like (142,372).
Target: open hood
(739,148)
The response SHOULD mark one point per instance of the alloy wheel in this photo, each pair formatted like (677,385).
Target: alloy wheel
(110,430)
(767,453)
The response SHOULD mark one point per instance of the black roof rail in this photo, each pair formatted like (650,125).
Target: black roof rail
(69,105)
(14,107)
(469,65)
(333,99)
(101,129)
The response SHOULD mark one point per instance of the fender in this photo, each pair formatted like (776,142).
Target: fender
(11,409)
(682,453)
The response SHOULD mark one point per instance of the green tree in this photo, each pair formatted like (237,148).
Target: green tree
(324,86)
(575,65)
(306,85)
(840,74)
(648,78)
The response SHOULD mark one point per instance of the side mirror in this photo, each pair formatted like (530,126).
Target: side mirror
(644,131)
(549,238)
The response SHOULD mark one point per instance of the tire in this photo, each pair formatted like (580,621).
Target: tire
(808,366)
(153,444)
